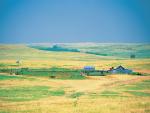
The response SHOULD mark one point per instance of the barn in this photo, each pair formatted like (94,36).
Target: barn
(120,69)
(90,70)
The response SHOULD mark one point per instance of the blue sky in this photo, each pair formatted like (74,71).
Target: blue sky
(112,21)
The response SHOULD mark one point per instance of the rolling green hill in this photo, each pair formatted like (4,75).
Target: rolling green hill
(100,55)
(23,52)
(122,50)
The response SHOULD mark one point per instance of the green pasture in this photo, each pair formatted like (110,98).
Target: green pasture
(58,73)
(28,93)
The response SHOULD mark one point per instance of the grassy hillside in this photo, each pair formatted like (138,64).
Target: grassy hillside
(23,52)
(36,91)
(123,50)
(34,58)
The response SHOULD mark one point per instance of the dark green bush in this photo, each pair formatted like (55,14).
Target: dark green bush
(136,73)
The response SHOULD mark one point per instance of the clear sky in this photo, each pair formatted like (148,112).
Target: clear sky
(34,21)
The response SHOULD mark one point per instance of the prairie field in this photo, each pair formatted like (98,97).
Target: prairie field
(38,93)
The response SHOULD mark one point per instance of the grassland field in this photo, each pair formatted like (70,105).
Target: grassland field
(37,93)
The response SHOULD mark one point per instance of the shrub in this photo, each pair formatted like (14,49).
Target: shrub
(77,94)
(132,56)
(136,73)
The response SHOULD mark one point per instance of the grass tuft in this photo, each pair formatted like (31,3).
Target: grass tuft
(57,93)
(76,94)
(135,93)
(109,93)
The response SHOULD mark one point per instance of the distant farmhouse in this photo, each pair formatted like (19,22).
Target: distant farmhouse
(90,70)
(120,69)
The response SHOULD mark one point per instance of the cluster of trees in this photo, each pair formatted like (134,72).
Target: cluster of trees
(56,48)
(59,48)
(132,56)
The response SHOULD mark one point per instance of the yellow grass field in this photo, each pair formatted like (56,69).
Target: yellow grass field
(92,101)
(34,58)
(118,93)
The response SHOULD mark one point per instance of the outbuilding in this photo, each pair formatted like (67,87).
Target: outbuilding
(120,69)
(89,68)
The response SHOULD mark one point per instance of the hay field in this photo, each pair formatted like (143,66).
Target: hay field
(111,94)
(98,94)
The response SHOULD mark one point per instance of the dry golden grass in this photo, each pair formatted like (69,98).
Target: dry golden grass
(91,101)
(85,103)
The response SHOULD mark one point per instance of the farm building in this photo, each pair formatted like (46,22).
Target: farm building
(120,69)
(89,68)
